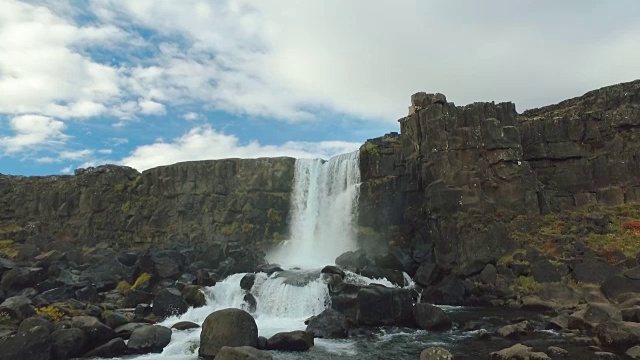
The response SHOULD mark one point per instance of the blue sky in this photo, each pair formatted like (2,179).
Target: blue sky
(146,83)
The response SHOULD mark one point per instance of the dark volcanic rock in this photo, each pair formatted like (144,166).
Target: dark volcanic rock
(228,327)
(394,276)
(242,352)
(618,334)
(353,260)
(427,274)
(592,271)
(114,348)
(18,307)
(194,296)
(329,324)
(185,325)
(249,303)
(291,341)
(246,283)
(151,338)
(617,285)
(32,322)
(114,319)
(429,317)
(135,297)
(125,331)
(34,344)
(380,306)
(330,269)
(19,278)
(54,295)
(68,343)
(97,332)
(169,302)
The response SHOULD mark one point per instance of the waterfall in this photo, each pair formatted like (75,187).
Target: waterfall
(324,208)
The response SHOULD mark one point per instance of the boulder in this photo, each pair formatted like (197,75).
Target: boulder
(427,274)
(603,355)
(194,296)
(34,344)
(617,285)
(228,327)
(436,353)
(59,294)
(543,271)
(205,278)
(113,348)
(489,275)
(113,319)
(68,343)
(242,353)
(134,297)
(514,331)
(151,338)
(169,302)
(162,264)
(185,325)
(633,353)
(108,270)
(353,260)
(32,322)
(329,324)
(291,341)
(97,332)
(449,291)
(330,269)
(250,303)
(618,334)
(18,307)
(590,270)
(518,352)
(246,283)
(394,276)
(382,306)
(88,294)
(557,353)
(20,278)
(125,331)
(593,315)
(430,317)
(631,314)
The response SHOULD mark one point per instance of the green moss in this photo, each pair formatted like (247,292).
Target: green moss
(143,278)
(525,283)
(237,228)
(274,216)
(123,287)
(126,206)
(52,312)
(370,148)
(119,187)
(508,258)
(8,249)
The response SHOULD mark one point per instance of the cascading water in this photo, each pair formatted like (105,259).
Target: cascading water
(324,209)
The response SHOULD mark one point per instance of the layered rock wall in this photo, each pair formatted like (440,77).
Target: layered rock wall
(447,187)
(245,200)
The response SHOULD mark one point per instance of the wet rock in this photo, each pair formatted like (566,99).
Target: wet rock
(557,353)
(185,325)
(618,334)
(114,348)
(329,324)
(380,306)
(515,331)
(227,327)
(67,343)
(330,269)
(427,274)
(142,311)
(291,341)
(393,276)
(249,303)
(262,343)
(205,278)
(436,353)
(269,268)
(518,352)
(246,283)
(430,317)
(134,297)
(353,260)
(151,338)
(18,307)
(34,344)
(185,280)
(169,302)
(242,353)
(194,296)
(97,332)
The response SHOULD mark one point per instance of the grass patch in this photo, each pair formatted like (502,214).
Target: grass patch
(526,283)
(123,287)
(50,312)
(509,258)
(370,149)
(141,280)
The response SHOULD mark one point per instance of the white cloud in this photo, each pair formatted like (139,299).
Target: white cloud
(190,116)
(205,143)
(114,141)
(33,131)
(67,169)
(105,151)
(150,107)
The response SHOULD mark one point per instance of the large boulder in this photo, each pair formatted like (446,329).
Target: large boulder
(32,322)
(430,317)
(59,294)
(68,343)
(618,334)
(593,315)
(151,338)
(518,352)
(436,353)
(242,353)
(19,278)
(18,307)
(617,285)
(161,264)
(329,324)
(108,270)
(34,344)
(427,274)
(353,260)
(113,348)
(227,327)
(97,332)
(382,306)
(291,341)
(169,302)
(194,296)
(134,297)
(246,283)
(514,331)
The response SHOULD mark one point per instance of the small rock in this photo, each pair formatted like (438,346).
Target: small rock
(557,352)
(246,283)
(68,343)
(329,324)
(194,296)
(633,353)
(602,355)
(250,303)
(430,317)
(330,269)
(125,331)
(151,338)
(185,325)
(114,319)
(436,353)
(514,331)
(114,348)
(518,351)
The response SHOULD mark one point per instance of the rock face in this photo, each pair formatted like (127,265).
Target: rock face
(227,327)
(246,200)
(447,186)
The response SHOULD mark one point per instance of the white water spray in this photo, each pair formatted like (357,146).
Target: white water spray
(323,211)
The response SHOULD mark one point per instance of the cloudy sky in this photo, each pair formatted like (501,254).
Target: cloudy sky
(152,82)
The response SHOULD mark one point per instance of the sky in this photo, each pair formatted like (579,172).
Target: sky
(146,83)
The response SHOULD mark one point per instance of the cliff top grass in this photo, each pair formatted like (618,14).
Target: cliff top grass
(621,232)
